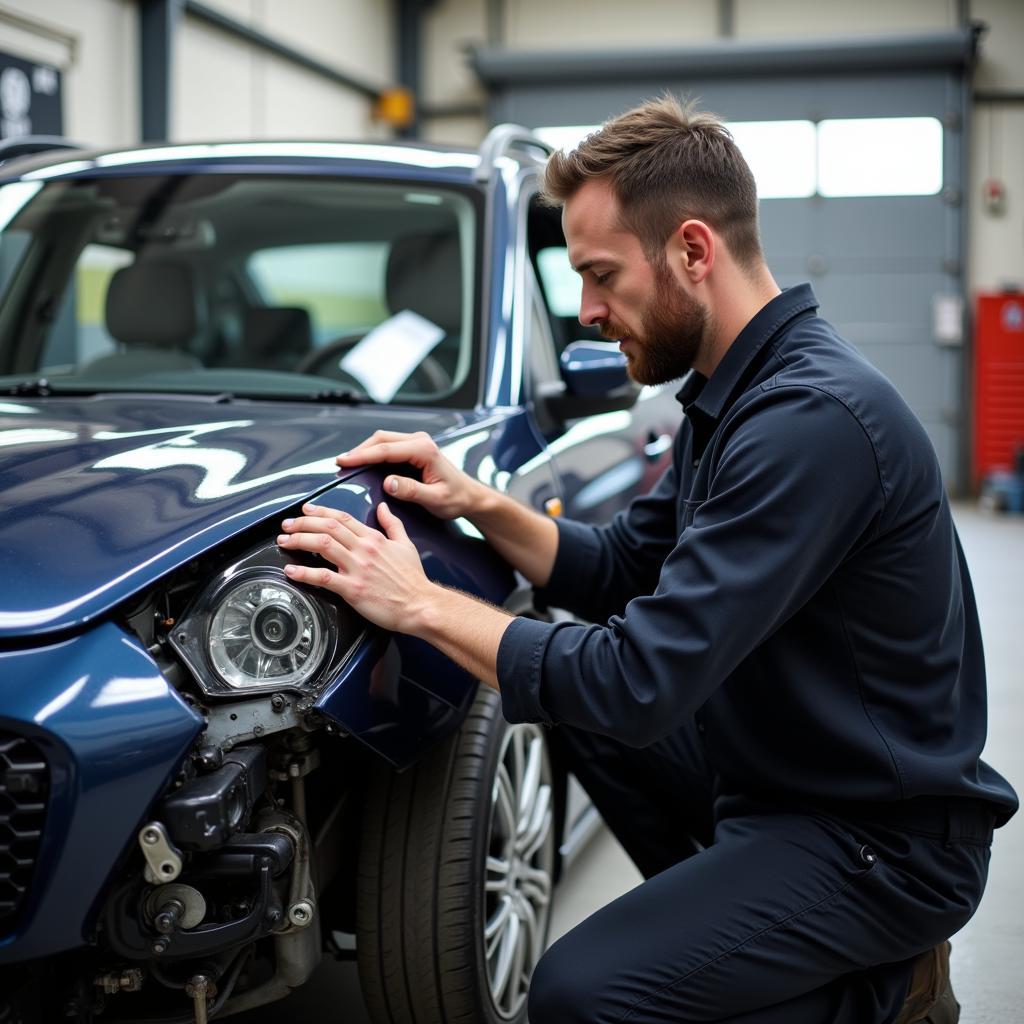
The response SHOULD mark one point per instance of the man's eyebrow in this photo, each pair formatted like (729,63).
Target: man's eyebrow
(587,264)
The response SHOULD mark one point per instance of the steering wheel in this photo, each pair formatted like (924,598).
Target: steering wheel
(428,378)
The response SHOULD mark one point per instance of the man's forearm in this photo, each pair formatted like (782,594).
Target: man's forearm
(467,630)
(527,540)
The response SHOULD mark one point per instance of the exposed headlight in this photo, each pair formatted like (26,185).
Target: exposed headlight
(254,631)
(266,633)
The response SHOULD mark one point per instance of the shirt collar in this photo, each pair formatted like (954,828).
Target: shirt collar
(709,395)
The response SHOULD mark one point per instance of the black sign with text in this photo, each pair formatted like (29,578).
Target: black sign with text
(30,98)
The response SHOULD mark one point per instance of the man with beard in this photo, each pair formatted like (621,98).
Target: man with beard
(781,710)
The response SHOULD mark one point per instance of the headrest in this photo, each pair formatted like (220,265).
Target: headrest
(153,304)
(281,334)
(425,275)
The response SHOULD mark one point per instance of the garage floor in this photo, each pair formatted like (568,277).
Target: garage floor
(988,955)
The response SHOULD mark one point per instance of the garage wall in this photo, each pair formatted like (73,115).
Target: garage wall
(93,43)
(995,241)
(224,88)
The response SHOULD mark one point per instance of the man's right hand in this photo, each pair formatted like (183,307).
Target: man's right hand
(526,539)
(445,491)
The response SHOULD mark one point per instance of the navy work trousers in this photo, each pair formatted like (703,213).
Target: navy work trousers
(787,916)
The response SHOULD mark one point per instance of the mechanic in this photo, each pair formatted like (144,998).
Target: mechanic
(789,676)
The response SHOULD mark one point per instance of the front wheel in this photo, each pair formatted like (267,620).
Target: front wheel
(456,867)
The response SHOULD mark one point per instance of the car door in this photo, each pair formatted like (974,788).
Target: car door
(603,460)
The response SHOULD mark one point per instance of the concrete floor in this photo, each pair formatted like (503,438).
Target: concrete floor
(988,956)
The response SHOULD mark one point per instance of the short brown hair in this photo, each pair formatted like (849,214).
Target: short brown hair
(666,162)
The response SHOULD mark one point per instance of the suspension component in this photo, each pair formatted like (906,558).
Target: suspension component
(199,989)
(163,858)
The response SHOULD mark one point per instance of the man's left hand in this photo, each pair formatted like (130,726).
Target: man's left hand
(378,574)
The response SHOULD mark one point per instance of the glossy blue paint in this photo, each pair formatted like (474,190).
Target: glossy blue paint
(101,496)
(114,734)
(379,704)
(593,367)
(387,693)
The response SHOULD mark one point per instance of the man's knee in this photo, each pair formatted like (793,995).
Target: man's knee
(559,990)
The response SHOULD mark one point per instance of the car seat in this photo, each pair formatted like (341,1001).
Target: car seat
(274,338)
(424,274)
(154,311)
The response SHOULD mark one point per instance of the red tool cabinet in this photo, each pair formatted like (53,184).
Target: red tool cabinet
(998,382)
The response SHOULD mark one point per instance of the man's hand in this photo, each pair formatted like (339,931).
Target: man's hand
(378,574)
(524,538)
(445,491)
(381,577)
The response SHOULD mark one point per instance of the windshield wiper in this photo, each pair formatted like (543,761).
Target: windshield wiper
(41,388)
(342,396)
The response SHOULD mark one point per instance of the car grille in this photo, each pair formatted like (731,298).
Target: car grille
(24,783)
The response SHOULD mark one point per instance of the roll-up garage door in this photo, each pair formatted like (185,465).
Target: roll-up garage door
(858,147)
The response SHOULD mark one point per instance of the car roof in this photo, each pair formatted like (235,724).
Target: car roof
(376,159)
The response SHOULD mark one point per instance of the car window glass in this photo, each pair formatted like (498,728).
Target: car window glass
(341,284)
(250,284)
(562,285)
(12,248)
(543,359)
(81,334)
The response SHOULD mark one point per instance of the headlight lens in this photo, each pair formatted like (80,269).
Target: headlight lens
(252,630)
(266,633)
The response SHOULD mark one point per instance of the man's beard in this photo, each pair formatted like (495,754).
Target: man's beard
(673,327)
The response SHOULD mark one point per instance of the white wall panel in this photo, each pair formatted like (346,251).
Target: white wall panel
(225,88)
(449,28)
(100,66)
(1002,46)
(792,19)
(556,24)
(214,91)
(996,241)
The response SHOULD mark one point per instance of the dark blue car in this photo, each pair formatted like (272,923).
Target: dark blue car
(210,776)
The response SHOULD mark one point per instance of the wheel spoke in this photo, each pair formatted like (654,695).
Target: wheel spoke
(536,886)
(503,799)
(506,956)
(497,869)
(530,783)
(493,928)
(518,959)
(529,842)
(529,916)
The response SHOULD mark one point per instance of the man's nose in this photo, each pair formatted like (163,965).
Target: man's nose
(592,310)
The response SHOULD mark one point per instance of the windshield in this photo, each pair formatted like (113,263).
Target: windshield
(251,285)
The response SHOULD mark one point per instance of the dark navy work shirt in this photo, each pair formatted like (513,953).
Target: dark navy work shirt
(794,581)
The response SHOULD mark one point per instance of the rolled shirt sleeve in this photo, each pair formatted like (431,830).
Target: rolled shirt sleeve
(796,486)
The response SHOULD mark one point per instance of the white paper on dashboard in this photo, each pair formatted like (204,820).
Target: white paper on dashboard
(384,358)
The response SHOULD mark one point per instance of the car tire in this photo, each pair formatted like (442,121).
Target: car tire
(456,866)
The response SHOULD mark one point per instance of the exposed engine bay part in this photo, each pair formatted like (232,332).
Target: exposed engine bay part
(206,811)
(129,980)
(199,989)
(244,720)
(297,946)
(134,934)
(175,906)
(163,858)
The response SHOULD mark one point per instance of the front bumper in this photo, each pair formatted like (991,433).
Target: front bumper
(114,734)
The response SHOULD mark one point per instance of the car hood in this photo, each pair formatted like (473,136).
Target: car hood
(100,496)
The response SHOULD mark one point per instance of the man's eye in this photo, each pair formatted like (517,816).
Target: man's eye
(602,278)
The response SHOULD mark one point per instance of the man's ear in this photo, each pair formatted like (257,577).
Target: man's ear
(692,247)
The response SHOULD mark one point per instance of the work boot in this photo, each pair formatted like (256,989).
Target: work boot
(930,998)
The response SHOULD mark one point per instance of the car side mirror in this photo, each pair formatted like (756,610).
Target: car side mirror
(594,380)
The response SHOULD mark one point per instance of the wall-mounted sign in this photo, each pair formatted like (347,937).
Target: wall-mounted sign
(30,98)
